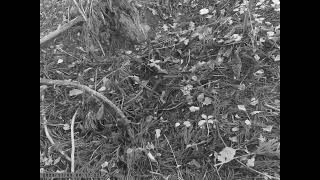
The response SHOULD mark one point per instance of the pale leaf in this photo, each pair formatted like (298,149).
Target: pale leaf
(268,128)
(103,88)
(207,101)
(204,11)
(250,162)
(226,155)
(151,157)
(194,108)
(200,97)
(177,124)
(100,112)
(75,92)
(66,127)
(60,61)
(242,108)
(158,133)
(233,139)
(187,123)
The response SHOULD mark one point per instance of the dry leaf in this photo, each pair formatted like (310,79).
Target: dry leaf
(200,97)
(103,88)
(268,128)
(151,157)
(226,154)
(158,131)
(233,139)
(195,163)
(194,108)
(75,92)
(187,123)
(207,101)
(100,112)
(204,11)
(242,108)
(250,162)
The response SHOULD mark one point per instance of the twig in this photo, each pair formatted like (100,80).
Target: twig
(269,106)
(62,29)
(270,177)
(90,91)
(80,10)
(72,140)
(46,130)
(174,157)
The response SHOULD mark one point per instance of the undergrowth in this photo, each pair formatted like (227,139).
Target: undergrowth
(201,95)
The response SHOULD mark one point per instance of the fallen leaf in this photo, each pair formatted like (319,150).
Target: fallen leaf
(195,163)
(242,108)
(187,123)
(56,161)
(106,83)
(75,92)
(60,61)
(200,97)
(158,131)
(204,11)
(105,164)
(207,101)
(177,124)
(103,88)
(233,139)
(201,122)
(268,128)
(66,127)
(254,101)
(100,112)
(165,27)
(226,155)
(151,157)
(250,162)
(255,112)
(194,108)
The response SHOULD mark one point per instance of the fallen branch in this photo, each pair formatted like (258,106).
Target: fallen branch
(46,130)
(72,140)
(62,29)
(124,119)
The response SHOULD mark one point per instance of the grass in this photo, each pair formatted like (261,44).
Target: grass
(199,100)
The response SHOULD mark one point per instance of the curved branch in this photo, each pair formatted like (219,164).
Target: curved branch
(63,28)
(125,120)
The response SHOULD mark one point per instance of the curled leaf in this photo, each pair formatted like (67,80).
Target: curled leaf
(100,112)
(75,92)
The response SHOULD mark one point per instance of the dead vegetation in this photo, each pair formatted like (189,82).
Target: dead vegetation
(160,89)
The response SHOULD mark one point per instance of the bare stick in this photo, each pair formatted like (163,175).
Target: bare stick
(62,29)
(90,91)
(46,130)
(268,176)
(80,10)
(174,157)
(72,140)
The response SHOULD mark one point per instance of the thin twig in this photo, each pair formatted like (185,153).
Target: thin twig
(90,91)
(268,176)
(62,29)
(80,10)
(72,140)
(269,106)
(174,157)
(46,130)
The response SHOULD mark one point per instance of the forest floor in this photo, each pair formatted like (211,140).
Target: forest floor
(200,99)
